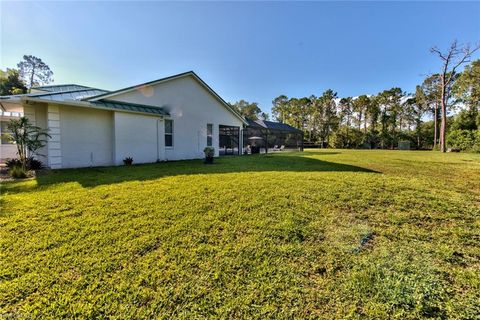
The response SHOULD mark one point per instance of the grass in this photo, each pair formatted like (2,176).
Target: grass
(330,234)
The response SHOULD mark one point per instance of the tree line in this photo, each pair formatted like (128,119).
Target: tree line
(443,110)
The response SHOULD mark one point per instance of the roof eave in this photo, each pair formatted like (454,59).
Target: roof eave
(83,104)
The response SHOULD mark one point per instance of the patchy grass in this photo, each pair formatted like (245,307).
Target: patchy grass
(330,234)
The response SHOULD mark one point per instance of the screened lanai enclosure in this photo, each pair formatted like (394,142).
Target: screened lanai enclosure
(229,140)
(262,136)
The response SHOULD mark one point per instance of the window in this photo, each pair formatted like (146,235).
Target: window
(4,132)
(209,134)
(168,133)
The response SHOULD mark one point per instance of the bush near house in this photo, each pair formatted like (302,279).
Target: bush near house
(17,172)
(324,234)
(32,163)
(209,154)
(128,161)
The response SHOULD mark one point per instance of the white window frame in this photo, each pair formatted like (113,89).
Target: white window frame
(210,136)
(169,134)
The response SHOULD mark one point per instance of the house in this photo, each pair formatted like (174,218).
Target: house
(172,118)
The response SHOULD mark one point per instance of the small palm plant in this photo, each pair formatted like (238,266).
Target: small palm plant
(27,137)
(128,161)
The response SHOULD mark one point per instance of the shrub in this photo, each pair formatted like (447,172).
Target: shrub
(461,139)
(209,154)
(17,172)
(346,137)
(128,161)
(476,145)
(32,163)
(10,163)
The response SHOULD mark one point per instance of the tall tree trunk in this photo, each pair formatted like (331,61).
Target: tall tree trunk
(435,129)
(419,120)
(31,80)
(443,124)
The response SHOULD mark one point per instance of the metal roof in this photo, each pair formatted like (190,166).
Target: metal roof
(68,95)
(117,105)
(64,87)
(264,124)
(61,95)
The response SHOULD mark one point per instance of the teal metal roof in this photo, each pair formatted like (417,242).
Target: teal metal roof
(79,94)
(65,87)
(60,95)
(67,95)
(116,105)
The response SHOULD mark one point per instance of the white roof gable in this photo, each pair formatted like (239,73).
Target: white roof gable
(111,95)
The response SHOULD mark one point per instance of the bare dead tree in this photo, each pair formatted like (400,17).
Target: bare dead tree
(454,57)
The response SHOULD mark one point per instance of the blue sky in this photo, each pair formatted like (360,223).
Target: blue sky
(254,51)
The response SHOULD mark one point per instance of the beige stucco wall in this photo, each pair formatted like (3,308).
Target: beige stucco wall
(191,107)
(86,137)
(41,121)
(138,136)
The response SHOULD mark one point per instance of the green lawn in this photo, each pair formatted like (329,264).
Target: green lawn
(320,234)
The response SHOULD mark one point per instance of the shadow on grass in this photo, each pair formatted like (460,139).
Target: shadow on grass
(292,162)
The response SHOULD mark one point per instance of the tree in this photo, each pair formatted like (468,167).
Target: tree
(247,109)
(264,116)
(373,112)
(34,71)
(327,115)
(390,102)
(10,82)
(27,137)
(467,86)
(312,118)
(466,119)
(345,137)
(430,96)
(279,108)
(298,111)
(360,106)
(345,106)
(453,58)
(419,106)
